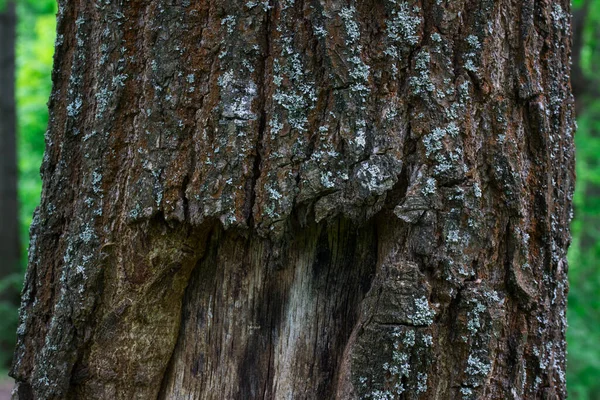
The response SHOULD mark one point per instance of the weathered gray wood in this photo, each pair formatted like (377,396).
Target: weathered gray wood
(303,199)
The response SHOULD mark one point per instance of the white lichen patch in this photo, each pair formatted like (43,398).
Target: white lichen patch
(361,138)
(229,23)
(466,392)
(430,186)
(433,141)
(471,56)
(375,176)
(421,382)
(74,108)
(436,141)
(422,314)
(358,71)
(421,84)
(427,340)
(403,26)
(470,65)
(403,372)
(264,5)
(97,182)
(476,366)
(327,179)
(275,127)
(319,31)
(360,76)
(87,234)
(560,17)
(119,80)
(474,322)
(299,95)
(352,28)
(273,193)
(476,190)
(473,42)
(453,236)
(409,338)
(225,79)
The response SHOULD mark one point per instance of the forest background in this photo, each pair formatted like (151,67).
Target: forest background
(34,53)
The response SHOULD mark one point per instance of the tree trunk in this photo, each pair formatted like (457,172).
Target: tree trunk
(303,199)
(9,222)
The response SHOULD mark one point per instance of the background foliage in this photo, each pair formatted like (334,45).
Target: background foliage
(34,60)
(583,336)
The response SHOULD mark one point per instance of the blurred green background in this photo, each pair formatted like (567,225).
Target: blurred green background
(36,32)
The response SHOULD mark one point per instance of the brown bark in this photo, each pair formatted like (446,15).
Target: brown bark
(303,199)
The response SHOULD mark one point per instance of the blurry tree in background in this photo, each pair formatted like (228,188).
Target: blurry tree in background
(9,238)
(584,301)
(34,50)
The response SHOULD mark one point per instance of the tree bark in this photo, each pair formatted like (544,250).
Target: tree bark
(303,199)
(9,222)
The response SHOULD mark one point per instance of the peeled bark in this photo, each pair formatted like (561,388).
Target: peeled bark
(303,199)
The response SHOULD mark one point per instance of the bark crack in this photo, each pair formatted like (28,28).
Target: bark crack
(262,84)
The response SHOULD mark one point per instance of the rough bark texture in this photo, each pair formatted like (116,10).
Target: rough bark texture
(9,225)
(303,199)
